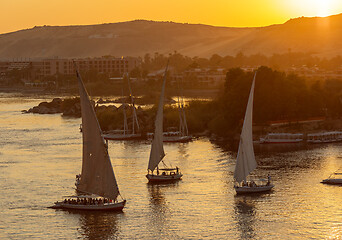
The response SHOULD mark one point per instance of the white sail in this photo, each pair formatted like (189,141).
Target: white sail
(245,162)
(157,150)
(97,175)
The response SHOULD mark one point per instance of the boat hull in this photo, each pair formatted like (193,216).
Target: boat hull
(100,207)
(280,141)
(121,137)
(324,141)
(164,178)
(177,139)
(251,190)
(332,181)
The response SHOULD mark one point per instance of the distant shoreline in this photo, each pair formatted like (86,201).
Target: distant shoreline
(195,93)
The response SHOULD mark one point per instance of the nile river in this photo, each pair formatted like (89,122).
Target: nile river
(41,154)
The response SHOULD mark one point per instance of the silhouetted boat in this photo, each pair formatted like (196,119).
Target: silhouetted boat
(157,150)
(282,138)
(97,179)
(325,137)
(126,134)
(245,162)
(334,179)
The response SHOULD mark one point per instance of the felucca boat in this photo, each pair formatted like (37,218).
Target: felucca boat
(157,153)
(126,134)
(245,162)
(183,134)
(97,181)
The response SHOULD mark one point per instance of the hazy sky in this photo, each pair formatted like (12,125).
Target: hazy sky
(20,14)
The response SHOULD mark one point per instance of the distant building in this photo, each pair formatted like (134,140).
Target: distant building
(50,67)
(111,65)
(203,77)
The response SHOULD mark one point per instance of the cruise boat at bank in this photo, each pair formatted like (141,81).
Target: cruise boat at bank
(282,138)
(325,137)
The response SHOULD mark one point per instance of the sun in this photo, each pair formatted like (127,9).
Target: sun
(319,8)
(323,7)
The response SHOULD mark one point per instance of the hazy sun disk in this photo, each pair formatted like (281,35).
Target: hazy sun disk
(320,8)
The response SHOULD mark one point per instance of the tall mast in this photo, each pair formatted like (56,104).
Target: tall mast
(124,107)
(135,117)
(157,149)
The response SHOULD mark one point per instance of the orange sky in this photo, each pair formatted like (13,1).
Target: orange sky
(21,14)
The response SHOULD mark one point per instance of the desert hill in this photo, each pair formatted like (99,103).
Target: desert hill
(321,36)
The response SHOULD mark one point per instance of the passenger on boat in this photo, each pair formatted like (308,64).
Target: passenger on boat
(253,184)
(164,173)
(268,180)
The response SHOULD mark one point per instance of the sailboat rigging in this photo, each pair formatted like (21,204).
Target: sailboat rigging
(97,180)
(126,134)
(182,135)
(157,149)
(245,162)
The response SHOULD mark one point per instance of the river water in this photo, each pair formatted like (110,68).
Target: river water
(41,154)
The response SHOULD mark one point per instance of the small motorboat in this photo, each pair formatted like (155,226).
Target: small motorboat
(333,179)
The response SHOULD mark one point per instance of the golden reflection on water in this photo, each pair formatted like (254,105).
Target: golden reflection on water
(41,154)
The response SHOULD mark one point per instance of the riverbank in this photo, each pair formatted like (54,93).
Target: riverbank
(200,115)
(189,93)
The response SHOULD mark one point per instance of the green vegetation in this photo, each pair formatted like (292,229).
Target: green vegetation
(277,97)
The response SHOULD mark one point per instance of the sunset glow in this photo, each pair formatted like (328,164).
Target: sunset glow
(320,8)
(248,13)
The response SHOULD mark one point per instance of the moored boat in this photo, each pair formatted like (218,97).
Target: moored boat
(118,135)
(126,133)
(174,136)
(282,138)
(325,137)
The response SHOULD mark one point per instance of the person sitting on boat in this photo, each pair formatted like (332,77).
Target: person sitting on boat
(164,173)
(268,180)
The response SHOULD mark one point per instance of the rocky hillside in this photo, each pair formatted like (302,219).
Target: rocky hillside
(322,36)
